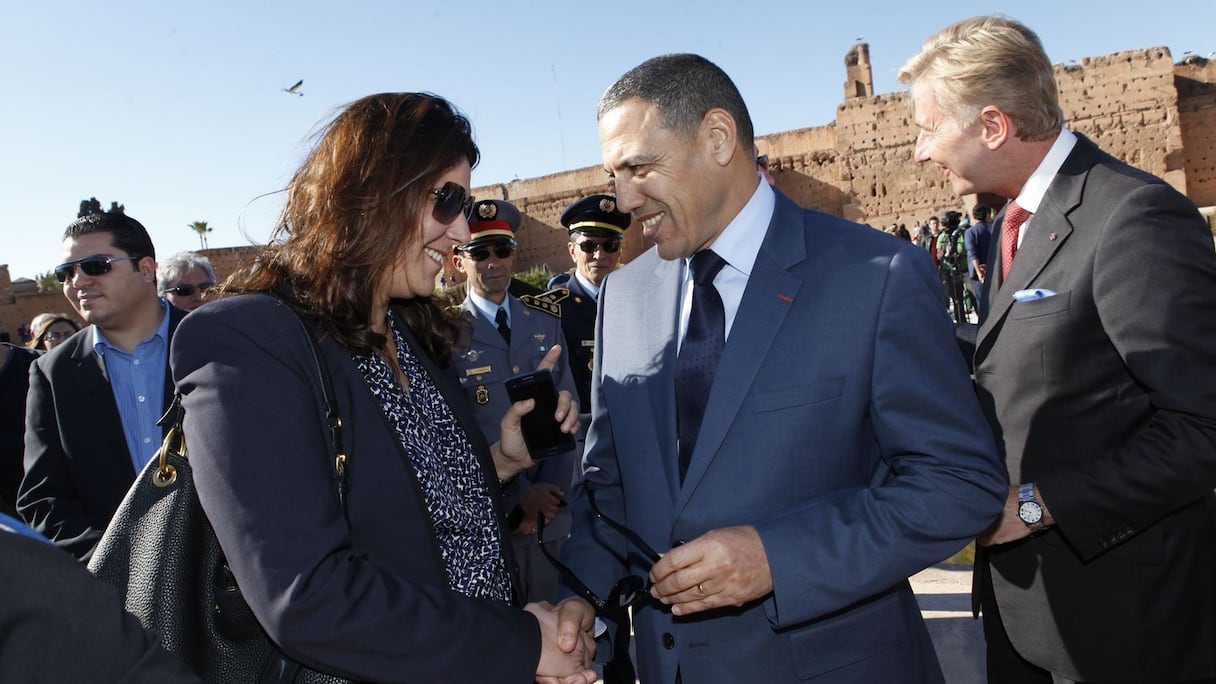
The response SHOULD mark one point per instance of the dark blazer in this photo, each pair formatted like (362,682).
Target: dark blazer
(369,601)
(1105,396)
(578,325)
(841,424)
(46,597)
(77,464)
(14,390)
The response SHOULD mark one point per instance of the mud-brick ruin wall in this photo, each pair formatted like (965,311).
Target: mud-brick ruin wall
(1195,80)
(1126,102)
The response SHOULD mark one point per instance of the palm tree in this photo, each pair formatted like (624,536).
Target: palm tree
(201,228)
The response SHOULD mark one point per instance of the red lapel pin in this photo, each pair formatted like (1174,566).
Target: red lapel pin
(786,298)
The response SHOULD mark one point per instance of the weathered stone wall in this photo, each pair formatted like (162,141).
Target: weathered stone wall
(1138,105)
(1195,80)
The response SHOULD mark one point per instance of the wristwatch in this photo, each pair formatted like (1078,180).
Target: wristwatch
(1029,510)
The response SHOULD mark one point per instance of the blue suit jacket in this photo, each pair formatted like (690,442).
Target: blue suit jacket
(841,425)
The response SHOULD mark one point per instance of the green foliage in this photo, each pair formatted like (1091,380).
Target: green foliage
(202,229)
(47,282)
(92,206)
(537,276)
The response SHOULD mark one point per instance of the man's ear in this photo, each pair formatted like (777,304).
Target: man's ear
(720,135)
(997,127)
(147,269)
(458,262)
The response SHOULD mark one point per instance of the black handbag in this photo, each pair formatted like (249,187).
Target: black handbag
(161,553)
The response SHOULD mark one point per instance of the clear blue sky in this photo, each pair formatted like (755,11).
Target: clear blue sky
(175,110)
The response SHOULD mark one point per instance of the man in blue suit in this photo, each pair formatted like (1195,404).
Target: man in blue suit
(840,449)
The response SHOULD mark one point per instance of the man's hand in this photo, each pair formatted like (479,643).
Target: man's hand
(572,638)
(1009,527)
(981,271)
(510,453)
(541,497)
(725,567)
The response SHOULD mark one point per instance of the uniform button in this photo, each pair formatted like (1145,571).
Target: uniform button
(141,399)
(669,642)
(515,370)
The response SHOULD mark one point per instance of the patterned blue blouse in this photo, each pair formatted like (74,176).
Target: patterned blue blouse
(457,498)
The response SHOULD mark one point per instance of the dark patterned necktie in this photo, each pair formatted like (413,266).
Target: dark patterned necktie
(699,354)
(503,329)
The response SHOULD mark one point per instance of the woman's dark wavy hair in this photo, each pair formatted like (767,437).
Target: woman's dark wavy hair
(352,205)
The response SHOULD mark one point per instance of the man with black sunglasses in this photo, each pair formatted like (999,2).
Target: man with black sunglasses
(94,400)
(596,229)
(507,336)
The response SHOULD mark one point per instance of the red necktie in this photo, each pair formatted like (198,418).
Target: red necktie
(1015,216)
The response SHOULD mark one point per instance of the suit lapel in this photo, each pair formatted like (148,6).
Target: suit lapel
(1048,232)
(94,397)
(771,290)
(660,322)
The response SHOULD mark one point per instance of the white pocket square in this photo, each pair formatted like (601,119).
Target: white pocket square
(1031,295)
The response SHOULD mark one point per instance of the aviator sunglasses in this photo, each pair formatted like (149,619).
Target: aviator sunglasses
(187,290)
(451,201)
(90,266)
(609,246)
(502,251)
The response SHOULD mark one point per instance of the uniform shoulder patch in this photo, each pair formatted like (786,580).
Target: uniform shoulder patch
(549,302)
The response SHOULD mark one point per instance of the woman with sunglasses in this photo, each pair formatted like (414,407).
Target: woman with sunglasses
(414,581)
(185,279)
(51,330)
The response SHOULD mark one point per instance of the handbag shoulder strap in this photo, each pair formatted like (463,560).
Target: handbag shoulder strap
(333,416)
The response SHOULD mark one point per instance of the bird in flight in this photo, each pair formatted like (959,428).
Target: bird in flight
(295,89)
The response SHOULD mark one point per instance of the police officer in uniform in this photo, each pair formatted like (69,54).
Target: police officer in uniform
(596,228)
(506,336)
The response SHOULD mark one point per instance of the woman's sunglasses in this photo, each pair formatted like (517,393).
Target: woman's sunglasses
(451,201)
(187,290)
(502,251)
(609,246)
(90,266)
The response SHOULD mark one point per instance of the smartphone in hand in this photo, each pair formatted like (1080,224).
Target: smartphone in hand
(542,433)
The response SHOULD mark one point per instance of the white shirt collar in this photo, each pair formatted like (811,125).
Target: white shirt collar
(739,243)
(592,290)
(490,309)
(1035,188)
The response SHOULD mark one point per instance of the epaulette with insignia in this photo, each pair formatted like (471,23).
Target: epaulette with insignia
(549,302)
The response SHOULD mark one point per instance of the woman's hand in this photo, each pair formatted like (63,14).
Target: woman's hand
(510,453)
(567,642)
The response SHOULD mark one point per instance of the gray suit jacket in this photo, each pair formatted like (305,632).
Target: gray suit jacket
(841,424)
(1105,396)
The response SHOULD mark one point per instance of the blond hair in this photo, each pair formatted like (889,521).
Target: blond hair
(985,61)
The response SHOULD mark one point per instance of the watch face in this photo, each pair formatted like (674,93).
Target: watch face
(1030,512)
